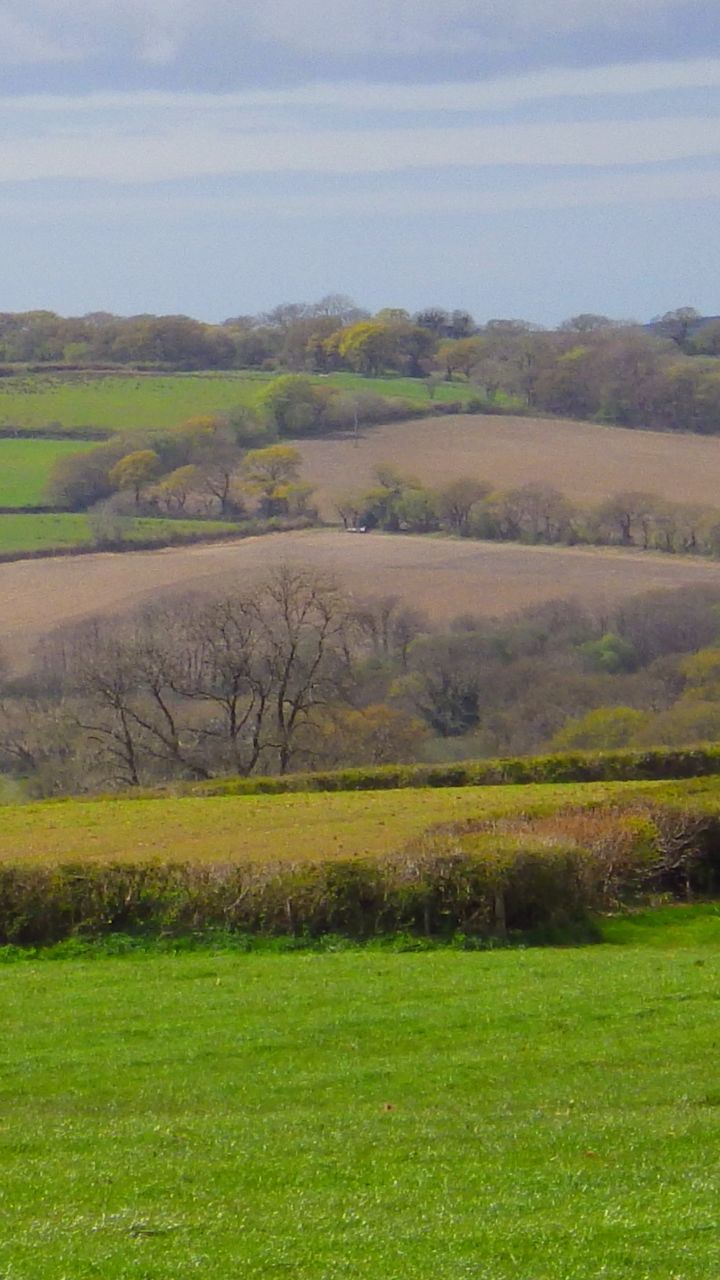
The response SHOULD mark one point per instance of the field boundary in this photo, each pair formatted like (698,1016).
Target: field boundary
(657,765)
(487,880)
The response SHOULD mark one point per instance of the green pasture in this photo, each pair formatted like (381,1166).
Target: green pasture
(303,827)
(146,401)
(49,532)
(511,1115)
(25,467)
(404,388)
(121,403)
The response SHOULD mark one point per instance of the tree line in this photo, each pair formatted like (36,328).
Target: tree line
(287,672)
(533,513)
(664,375)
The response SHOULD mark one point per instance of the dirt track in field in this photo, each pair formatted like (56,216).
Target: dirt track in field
(585,461)
(441,576)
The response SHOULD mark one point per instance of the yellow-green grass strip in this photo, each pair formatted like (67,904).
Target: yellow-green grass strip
(297,827)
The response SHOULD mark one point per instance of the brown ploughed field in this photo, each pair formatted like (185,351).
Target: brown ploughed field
(441,576)
(585,461)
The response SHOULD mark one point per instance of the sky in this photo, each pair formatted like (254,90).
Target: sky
(518,158)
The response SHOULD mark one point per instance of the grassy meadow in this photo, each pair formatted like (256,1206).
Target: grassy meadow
(302,827)
(49,532)
(123,402)
(25,467)
(546,1114)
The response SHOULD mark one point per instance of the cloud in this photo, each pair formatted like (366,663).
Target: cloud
(160,30)
(136,156)
(22,43)
(499,93)
(594,191)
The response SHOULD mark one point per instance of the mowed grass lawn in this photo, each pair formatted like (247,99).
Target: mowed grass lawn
(519,1115)
(147,401)
(302,827)
(25,467)
(49,532)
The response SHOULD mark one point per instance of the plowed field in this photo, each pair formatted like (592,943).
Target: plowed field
(438,575)
(586,461)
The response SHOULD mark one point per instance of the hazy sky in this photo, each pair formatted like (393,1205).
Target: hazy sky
(529,158)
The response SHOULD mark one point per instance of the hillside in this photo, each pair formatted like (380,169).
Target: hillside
(585,461)
(438,575)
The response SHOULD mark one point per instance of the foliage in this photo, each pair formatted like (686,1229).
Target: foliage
(135,471)
(605,727)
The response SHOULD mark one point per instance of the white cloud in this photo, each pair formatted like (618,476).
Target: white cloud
(636,79)
(23,43)
(139,156)
(578,192)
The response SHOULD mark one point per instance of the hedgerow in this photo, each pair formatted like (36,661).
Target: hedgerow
(579,766)
(479,878)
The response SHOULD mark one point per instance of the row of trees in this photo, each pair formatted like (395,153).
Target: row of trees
(206,468)
(532,513)
(263,678)
(288,672)
(665,374)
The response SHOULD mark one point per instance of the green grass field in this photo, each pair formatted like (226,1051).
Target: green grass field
(125,402)
(297,827)
(46,532)
(519,1115)
(25,467)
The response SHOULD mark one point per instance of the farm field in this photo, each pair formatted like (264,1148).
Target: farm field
(585,461)
(439,575)
(535,1113)
(25,467)
(296,827)
(41,532)
(124,402)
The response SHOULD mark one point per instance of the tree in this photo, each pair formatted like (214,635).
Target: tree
(455,503)
(135,471)
(534,512)
(369,346)
(459,355)
(303,622)
(678,324)
(272,475)
(79,480)
(628,518)
(194,687)
(175,488)
(296,406)
(415,510)
(372,735)
(210,446)
(587,322)
(603,729)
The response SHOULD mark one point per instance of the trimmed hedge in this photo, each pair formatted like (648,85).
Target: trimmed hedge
(579,766)
(470,878)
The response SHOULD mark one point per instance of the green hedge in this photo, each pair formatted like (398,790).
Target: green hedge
(465,878)
(578,766)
